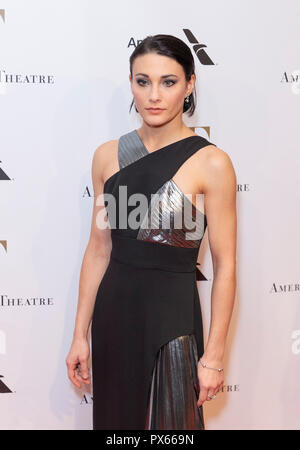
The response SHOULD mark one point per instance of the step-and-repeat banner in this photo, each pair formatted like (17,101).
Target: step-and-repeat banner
(64,90)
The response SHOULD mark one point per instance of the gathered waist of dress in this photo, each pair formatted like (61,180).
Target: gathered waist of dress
(148,254)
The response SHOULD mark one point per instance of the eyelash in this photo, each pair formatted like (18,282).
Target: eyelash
(143,84)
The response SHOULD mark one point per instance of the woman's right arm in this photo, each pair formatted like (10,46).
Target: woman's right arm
(94,265)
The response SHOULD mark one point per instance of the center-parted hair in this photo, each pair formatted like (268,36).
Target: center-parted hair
(173,47)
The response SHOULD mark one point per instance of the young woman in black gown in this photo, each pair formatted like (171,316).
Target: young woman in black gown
(138,284)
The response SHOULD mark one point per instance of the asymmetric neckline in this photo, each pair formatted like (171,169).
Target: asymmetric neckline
(165,146)
(150,153)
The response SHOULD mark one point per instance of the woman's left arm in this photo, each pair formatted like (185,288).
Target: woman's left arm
(219,186)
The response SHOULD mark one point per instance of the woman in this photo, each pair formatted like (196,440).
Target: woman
(138,282)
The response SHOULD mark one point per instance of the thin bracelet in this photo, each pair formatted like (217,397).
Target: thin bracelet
(213,368)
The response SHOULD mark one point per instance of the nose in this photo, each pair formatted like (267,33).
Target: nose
(154,94)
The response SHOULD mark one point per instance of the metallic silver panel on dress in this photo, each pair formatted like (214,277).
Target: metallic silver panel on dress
(130,149)
(175,388)
(172,219)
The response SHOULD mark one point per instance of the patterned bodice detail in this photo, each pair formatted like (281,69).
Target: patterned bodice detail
(166,209)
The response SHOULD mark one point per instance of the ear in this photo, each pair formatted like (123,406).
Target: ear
(191,85)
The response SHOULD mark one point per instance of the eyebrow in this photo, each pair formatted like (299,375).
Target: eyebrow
(163,76)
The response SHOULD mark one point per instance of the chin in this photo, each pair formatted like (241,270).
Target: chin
(155,123)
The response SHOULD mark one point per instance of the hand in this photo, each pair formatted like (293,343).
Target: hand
(210,381)
(76,361)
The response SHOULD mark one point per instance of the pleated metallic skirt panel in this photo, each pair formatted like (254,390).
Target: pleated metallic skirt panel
(175,388)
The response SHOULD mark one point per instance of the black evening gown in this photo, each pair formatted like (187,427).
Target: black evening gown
(147,333)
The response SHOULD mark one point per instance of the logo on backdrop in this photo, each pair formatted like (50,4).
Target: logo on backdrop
(3,244)
(4,389)
(11,78)
(3,175)
(198,48)
(230,388)
(284,288)
(16,78)
(5,300)
(293,79)
(86,399)
(243,187)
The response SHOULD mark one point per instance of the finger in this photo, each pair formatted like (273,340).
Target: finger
(210,394)
(79,374)
(79,377)
(202,396)
(72,374)
(84,371)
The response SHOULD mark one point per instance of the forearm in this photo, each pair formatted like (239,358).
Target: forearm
(222,302)
(93,268)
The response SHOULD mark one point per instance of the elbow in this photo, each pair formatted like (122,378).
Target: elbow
(99,249)
(225,267)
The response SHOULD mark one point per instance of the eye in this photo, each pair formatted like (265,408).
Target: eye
(141,82)
(170,81)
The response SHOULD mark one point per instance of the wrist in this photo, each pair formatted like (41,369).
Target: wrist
(211,359)
(216,365)
(81,330)
(208,360)
(213,355)
(79,335)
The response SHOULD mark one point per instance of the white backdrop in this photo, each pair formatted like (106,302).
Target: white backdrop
(64,90)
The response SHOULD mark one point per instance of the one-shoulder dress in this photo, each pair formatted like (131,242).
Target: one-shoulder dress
(147,332)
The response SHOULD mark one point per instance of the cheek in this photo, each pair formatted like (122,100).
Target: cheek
(140,95)
(174,98)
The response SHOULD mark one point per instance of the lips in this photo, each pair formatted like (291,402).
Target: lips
(154,109)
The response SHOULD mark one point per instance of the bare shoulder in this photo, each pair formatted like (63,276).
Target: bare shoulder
(103,157)
(215,166)
(105,151)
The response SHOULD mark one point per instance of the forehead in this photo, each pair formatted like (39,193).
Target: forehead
(155,65)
